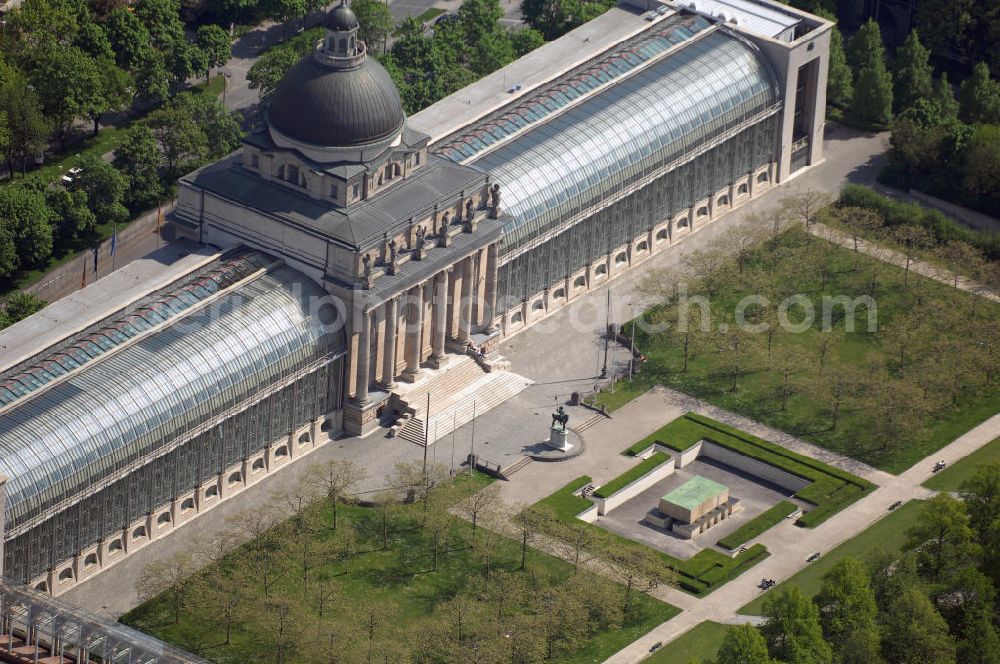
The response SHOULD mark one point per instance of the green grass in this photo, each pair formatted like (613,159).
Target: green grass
(869,359)
(430,14)
(632,475)
(952,478)
(106,140)
(889,533)
(758,525)
(699,644)
(831,489)
(401,583)
(701,574)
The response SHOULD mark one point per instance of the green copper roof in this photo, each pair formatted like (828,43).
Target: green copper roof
(694,492)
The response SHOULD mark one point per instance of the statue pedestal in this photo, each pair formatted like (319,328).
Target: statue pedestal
(557,439)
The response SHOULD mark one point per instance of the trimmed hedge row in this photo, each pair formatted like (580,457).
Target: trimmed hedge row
(701,574)
(632,475)
(831,489)
(762,522)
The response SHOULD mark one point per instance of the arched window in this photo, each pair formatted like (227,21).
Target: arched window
(601,269)
(235,478)
(662,235)
(327,425)
(580,281)
(762,177)
(702,211)
(304,438)
(90,560)
(682,223)
(163,519)
(641,247)
(188,504)
(343,44)
(396,169)
(42,587)
(257,465)
(116,546)
(516,318)
(212,491)
(742,189)
(723,200)
(621,258)
(537,305)
(380,179)
(139,532)
(281,451)
(66,574)
(560,293)
(293,174)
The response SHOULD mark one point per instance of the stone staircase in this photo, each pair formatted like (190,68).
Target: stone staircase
(458,392)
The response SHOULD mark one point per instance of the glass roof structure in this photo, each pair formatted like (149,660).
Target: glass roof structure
(21,383)
(593,76)
(668,109)
(120,409)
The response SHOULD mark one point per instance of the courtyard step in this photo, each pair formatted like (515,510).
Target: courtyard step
(516,466)
(412,431)
(460,371)
(456,410)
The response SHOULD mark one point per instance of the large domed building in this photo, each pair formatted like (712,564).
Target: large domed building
(350,259)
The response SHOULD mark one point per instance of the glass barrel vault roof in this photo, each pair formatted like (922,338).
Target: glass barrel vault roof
(120,408)
(656,115)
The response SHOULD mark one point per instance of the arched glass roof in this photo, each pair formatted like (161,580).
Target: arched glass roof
(122,407)
(658,114)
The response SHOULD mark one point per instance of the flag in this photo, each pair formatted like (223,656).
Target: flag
(114,241)
(97,250)
(159,217)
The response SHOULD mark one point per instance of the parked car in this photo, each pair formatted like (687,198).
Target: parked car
(939,465)
(895,505)
(813,557)
(70,176)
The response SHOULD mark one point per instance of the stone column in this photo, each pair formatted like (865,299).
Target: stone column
(414,326)
(465,317)
(491,289)
(440,318)
(364,356)
(389,355)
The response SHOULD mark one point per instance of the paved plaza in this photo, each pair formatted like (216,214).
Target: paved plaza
(754,495)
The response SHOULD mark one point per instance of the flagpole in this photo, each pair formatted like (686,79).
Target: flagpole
(114,241)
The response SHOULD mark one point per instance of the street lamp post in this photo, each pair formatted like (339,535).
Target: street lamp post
(226,75)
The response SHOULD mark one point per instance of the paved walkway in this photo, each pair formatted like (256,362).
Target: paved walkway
(898,258)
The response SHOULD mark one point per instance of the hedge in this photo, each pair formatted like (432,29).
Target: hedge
(758,525)
(631,475)
(830,489)
(701,574)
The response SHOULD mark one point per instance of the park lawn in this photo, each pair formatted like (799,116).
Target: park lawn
(888,533)
(808,412)
(699,644)
(952,479)
(699,575)
(401,583)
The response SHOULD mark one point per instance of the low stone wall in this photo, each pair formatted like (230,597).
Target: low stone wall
(662,471)
(764,471)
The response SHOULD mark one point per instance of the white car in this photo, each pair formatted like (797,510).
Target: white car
(70,176)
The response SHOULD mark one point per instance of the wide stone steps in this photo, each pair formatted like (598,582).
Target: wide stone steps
(440,384)
(516,466)
(484,394)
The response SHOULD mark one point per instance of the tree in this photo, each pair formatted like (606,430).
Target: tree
(981,495)
(872,101)
(375,23)
(840,79)
(170,578)
(105,187)
(128,36)
(847,609)
(72,220)
(866,46)
(526,40)
(913,240)
(792,631)
(152,78)
(980,98)
(862,223)
(115,91)
(960,256)
(69,86)
(333,479)
(182,143)
(6,143)
(527,524)
(225,595)
(138,158)
(481,502)
(93,40)
(804,207)
(162,20)
(21,304)
(982,162)
(278,623)
(636,567)
(942,537)
(265,74)
(912,75)
(215,43)
(25,233)
(915,633)
(945,97)
(184,60)
(743,644)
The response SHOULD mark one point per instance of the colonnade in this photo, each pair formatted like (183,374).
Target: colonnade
(412,327)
